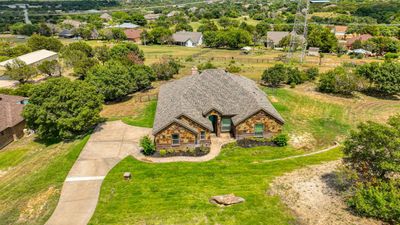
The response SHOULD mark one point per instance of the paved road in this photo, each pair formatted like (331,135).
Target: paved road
(109,144)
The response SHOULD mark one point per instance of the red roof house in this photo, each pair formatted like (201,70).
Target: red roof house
(363,37)
(133,34)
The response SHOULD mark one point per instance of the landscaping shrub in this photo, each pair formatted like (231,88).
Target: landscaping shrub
(281,140)
(312,73)
(206,66)
(294,75)
(381,201)
(148,146)
(233,69)
(163,152)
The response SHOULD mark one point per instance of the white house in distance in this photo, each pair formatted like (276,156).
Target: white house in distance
(33,58)
(188,39)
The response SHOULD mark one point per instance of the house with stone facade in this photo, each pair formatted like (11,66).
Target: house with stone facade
(192,110)
(12,124)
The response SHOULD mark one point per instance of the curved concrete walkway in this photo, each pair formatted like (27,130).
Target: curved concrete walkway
(109,144)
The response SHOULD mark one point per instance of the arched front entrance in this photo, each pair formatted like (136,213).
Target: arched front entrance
(214,121)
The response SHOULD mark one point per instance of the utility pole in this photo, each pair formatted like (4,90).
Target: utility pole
(298,36)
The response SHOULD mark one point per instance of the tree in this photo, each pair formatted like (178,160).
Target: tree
(37,42)
(383,77)
(118,34)
(18,70)
(183,27)
(159,35)
(102,53)
(167,69)
(138,19)
(110,79)
(322,37)
(382,45)
(140,77)
(50,68)
(340,80)
(61,109)
(79,46)
(373,151)
(275,75)
(127,53)
(262,28)
(207,25)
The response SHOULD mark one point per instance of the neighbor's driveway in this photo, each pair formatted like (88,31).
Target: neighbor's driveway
(109,144)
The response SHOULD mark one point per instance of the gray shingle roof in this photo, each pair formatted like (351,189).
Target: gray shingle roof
(194,96)
(183,36)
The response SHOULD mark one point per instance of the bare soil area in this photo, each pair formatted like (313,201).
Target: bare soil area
(309,194)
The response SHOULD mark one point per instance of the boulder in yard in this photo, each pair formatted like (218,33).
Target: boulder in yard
(127,175)
(226,200)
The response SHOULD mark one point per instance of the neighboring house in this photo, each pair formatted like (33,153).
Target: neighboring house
(133,34)
(274,37)
(33,58)
(172,13)
(106,17)
(363,37)
(188,39)
(340,32)
(193,108)
(12,124)
(66,34)
(313,51)
(73,23)
(126,26)
(152,16)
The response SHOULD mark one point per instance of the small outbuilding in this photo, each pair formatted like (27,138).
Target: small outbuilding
(313,51)
(33,58)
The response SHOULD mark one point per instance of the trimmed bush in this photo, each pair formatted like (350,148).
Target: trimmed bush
(148,146)
(163,152)
(281,140)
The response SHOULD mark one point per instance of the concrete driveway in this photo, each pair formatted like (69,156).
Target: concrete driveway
(110,143)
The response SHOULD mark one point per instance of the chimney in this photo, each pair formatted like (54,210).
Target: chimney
(194,70)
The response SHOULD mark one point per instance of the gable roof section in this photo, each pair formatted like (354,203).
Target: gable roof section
(10,111)
(276,36)
(132,33)
(183,36)
(196,95)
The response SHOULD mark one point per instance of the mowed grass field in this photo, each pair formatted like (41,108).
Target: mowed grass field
(31,177)
(178,193)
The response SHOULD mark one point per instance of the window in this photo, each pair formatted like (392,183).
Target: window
(202,135)
(226,124)
(259,130)
(175,139)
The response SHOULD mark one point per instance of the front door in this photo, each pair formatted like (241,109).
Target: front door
(214,121)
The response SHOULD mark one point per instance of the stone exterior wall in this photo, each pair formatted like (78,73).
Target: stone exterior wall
(246,128)
(207,140)
(12,133)
(163,139)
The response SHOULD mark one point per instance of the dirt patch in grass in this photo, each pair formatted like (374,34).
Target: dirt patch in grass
(313,201)
(304,141)
(36,205)
(360,108)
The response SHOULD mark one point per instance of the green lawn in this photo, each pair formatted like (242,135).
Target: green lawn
(30,189)
(178,193)
(146,117)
